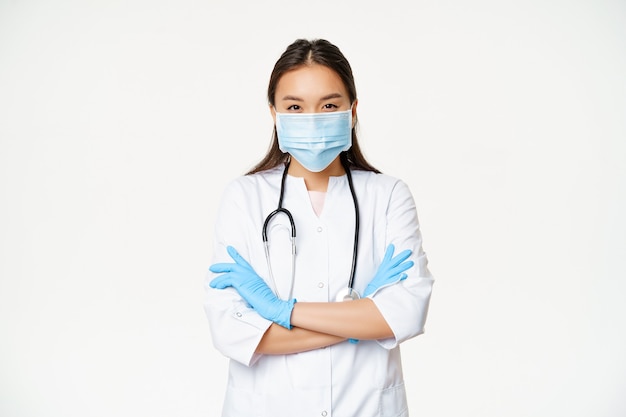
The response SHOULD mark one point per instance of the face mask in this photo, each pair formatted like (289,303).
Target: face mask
(314,139)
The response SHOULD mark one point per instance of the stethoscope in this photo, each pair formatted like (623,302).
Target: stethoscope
(346,294)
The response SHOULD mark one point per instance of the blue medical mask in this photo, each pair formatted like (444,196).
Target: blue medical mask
(314,139)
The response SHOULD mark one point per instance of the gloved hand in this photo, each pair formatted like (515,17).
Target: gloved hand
(252,288)
(390,271)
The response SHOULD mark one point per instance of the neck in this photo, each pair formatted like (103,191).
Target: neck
(316,181)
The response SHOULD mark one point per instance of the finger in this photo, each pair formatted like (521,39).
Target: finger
(401,257)
(401,268)
(394,279)
(397,278)
(237,257)
(222,267)
(221,282)
(389,253)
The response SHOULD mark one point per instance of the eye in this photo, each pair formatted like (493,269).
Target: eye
(330,106)
(294,107)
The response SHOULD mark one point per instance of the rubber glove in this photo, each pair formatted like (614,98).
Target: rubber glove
(390,271)
(252,288)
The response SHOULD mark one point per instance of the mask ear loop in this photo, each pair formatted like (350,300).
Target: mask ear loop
(287,162)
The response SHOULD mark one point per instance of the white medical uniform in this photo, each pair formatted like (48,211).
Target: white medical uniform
(346,379)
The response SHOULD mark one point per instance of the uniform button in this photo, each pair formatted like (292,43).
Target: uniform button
(319,229)
(239,314)
(320,285)
(324,413)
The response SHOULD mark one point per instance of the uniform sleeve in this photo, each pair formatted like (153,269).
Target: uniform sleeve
(405,305)
(236,329)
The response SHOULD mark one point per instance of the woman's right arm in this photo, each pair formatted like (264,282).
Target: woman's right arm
(277,340)
(237,330)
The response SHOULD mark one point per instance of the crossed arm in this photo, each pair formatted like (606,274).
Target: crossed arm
(316,325)
(305,326)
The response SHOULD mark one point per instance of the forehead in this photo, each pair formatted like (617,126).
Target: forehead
(308,81)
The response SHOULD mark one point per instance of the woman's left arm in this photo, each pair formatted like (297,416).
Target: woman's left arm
(389,313)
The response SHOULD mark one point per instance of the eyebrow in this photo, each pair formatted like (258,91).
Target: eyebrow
(292,98)
(329,96)
(326,97)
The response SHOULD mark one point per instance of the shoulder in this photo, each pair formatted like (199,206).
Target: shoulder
(246,185)
(380,183)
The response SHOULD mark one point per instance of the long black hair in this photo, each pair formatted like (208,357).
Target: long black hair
(305,52)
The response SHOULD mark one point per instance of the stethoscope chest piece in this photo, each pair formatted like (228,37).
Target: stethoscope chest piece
(347,294)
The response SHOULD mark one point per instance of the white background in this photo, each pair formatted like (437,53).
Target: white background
(121,122)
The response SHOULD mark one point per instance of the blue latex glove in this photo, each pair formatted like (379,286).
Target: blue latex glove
(252,288)
(390,271)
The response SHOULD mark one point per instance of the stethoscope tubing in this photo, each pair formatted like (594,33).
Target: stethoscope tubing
(281,209)
(355,246)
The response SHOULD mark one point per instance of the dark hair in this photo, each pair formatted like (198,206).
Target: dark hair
(305,52)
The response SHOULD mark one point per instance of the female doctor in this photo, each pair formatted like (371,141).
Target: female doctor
(314,329)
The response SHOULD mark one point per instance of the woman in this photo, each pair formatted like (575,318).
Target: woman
(295,350)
